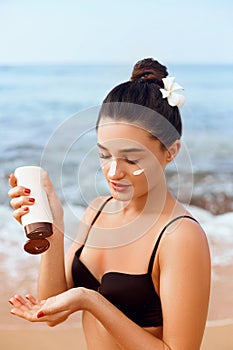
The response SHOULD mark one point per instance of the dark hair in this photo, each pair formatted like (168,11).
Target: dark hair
(139,101)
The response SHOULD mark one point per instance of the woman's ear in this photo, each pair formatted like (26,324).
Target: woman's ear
(173,150)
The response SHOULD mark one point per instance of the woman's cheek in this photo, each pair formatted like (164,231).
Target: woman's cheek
(138,172)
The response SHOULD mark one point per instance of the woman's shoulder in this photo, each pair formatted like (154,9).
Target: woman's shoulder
(184,235)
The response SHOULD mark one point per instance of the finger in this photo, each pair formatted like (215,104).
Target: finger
(19,213)
(18,191)
(15,302)
(53,318)
(40,314)
(12,180)
(20,201)
(20,299)
(32,300)
(47,310)
(26,314)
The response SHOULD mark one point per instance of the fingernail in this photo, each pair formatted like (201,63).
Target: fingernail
(25,208)
(10,302)
(26,191)
(40,314)
(32,200)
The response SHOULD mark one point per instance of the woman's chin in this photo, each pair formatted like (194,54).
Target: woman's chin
(122,196)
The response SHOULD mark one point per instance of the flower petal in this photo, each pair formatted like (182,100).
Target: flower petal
(176,99)
(176,86)
(181,100)
(164,92)
(168,82)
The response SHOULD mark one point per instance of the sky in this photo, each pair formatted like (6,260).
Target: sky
(120,31)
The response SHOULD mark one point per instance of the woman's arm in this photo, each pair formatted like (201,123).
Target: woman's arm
(55,273)
(52,279)
(57,309)
(185,271)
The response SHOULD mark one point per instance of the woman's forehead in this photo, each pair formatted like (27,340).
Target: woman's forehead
(123,134)
(122,146)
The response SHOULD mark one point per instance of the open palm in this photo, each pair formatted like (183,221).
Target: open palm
(27,308)
(53,310)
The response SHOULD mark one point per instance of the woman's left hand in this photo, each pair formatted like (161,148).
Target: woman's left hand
(53,310)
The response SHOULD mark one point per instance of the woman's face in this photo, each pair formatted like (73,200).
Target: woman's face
(132,162)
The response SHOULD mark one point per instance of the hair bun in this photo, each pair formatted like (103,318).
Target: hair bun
(149,69)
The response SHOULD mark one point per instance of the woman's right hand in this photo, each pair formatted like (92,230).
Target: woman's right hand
(21,201)
(20,198)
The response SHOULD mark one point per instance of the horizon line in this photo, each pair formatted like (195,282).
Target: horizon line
(106,63)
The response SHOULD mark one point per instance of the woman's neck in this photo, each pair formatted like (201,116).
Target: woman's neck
(154,202)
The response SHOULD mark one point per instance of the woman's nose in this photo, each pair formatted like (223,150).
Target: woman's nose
(115,170)
(112,169)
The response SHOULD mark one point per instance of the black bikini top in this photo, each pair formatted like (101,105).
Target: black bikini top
(133,294)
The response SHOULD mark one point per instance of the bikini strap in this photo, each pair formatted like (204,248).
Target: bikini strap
(151,263)
(96,216)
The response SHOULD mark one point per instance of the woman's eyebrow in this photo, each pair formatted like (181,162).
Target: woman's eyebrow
(101,146)
(133,149)
(124,150)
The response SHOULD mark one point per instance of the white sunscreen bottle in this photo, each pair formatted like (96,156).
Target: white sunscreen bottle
(38,221)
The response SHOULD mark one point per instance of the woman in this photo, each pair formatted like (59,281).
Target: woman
(148,286)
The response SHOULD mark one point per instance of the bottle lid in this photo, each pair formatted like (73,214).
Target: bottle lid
(36,246)
(38,230)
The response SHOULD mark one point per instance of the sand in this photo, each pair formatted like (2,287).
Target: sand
(215,338)
(42,339)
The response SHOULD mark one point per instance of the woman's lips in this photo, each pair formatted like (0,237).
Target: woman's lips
(119,187)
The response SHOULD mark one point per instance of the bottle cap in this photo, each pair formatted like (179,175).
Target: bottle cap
(36,246)
(38,230)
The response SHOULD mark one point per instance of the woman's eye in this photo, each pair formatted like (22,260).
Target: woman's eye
(104,156)
(131,161)
(108,156)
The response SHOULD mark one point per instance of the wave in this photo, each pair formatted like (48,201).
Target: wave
(218,230)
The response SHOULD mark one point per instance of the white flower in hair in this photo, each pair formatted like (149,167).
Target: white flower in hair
(174,99)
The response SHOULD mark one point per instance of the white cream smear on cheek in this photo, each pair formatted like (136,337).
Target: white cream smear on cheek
(112,169)
(138,172)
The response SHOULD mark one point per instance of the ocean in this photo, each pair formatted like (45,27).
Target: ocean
(47,117)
